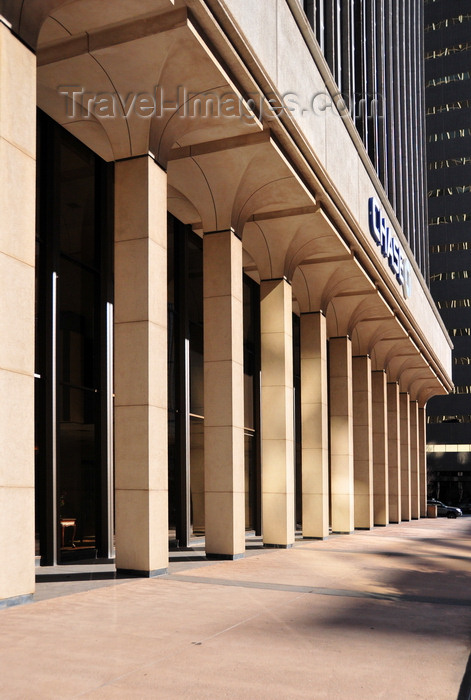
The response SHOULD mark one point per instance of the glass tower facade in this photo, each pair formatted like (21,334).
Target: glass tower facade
(374,49)
(448,104)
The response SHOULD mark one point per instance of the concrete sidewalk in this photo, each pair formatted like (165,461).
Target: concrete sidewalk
(380,614)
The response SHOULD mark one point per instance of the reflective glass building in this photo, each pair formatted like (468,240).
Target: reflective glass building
(448,102)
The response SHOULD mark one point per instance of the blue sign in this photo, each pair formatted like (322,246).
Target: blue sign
(390,247)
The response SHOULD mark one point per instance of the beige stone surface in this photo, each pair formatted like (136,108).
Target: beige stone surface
(404,410)
(341,434)
(277,412)
(18,94)
(223,394)
(140,368)
(223,378)
(414,460)
(344,618)
(17,201)
(225,464)
(17,314)
(315,426)
(362,442)
(422,462)
(141,518)
(138,300)
(16,430)
(229,345)
(16,540)
(394,453)
(380,448)
(140,442)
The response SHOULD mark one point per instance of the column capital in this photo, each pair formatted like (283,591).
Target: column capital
(276,279)
(3,20)
(142,156)
(224,230)
(312,313)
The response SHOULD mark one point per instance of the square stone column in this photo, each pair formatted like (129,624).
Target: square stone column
(414,461)
(341,434)
(422,420)
(404,403)
(362,442)
(277,413)
(17,289)
(140,367)
(394,453)
(315,426)
(380,448)
(223,396)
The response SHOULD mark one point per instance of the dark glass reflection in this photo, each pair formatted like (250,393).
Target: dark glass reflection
(73,289)
(251,312)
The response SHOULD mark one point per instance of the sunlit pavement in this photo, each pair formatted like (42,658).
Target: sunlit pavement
(378,614)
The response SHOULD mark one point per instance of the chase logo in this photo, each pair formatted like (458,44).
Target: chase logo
(390,247)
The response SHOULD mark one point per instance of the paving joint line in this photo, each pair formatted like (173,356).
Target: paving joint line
(316,590)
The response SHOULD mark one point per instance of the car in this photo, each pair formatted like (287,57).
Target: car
(443,510)
(465,508)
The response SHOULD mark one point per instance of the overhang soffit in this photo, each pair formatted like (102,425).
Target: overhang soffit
(414,379)
(427,392)
(181,207)
(388,346)
(315,240)
(401,360)
(344,311)
(66,17)
(371,322)
(156,91)
(244,177)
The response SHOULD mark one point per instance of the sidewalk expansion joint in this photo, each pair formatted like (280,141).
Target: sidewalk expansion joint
(339,592)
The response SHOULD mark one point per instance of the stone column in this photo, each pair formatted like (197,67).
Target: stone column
(140,365)
(315,426)
(422,462)
(223,396)
(404,403)
(380,448)
(394,453)
(277,413)
(362,442)
(341,434)
(414,460)
(17,280)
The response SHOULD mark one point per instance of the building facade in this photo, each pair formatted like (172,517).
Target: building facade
(447,70)
(214,314)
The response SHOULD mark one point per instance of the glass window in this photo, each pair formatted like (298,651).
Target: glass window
(73,300)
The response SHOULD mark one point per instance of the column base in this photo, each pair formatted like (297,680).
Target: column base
(135,573)
(277,546)
(224,557)
(342,532)
(381,524)
(359,527)
(309,537)
(16,600)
